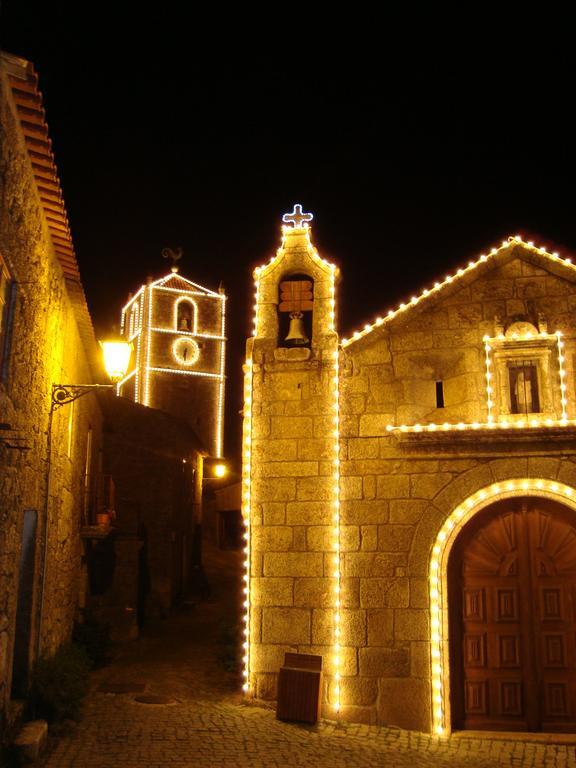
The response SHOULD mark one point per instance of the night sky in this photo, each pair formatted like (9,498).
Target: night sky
(413,158)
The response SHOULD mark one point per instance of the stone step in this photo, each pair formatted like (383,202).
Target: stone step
(30,741)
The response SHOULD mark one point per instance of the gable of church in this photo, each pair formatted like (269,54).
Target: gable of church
(428,363)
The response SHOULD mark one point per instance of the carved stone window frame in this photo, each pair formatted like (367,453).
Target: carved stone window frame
(541,349)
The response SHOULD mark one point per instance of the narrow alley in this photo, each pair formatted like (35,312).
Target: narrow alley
(169,699)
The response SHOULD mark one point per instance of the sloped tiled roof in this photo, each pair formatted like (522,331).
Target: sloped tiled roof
(23,83)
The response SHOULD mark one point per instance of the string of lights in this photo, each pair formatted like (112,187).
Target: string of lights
(439,653)
(449,279)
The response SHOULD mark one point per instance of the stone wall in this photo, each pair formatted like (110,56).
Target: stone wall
(396,488)
(397,491)
(155,463)
(293,487)
(46,348)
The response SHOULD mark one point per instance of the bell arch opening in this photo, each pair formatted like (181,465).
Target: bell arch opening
(481,640)
(295,311)
(185,315)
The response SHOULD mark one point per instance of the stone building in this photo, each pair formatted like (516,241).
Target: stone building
(410,493)
(143,564)
(178,329)
(47,470)
(68,469)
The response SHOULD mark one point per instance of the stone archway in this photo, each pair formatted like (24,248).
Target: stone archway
(441,661)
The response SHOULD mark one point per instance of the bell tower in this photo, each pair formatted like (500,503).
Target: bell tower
(178,331)
(291,465)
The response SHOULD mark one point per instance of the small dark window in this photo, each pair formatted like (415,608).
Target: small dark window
(524,387)
(7,303)
(439,394)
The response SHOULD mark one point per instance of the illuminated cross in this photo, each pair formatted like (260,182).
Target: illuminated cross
(297,218)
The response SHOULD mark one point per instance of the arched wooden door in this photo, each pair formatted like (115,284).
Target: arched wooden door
(512,603)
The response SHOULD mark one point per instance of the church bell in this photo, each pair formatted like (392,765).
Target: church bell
(296,334)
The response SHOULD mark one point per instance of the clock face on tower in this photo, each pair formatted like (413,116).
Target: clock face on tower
(185,350)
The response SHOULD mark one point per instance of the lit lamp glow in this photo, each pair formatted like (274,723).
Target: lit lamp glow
(116,358)
(215,468)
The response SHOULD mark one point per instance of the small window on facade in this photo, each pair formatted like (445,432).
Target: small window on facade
(525,372)
(523,378)
(7,296)
(439,394)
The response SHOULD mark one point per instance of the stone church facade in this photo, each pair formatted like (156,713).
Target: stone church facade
(410,494)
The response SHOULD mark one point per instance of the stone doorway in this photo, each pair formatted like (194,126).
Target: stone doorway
(512,612)
(23,633)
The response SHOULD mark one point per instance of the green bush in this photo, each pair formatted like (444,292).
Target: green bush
(59,684)
(94,637)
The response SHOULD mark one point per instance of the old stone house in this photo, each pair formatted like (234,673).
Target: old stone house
(144,563)
(47,469)
(70,468)
(410,493)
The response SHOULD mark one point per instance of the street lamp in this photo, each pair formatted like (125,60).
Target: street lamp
(214,469)
(220,470)
(116,355)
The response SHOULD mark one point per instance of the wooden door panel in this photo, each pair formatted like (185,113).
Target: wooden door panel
(556,700)
(506,605)
(475,650)
(552,544)
(476,697)
(510,700)
(509,651)
(553,651)
(551,604)
(473,604)
(517,621)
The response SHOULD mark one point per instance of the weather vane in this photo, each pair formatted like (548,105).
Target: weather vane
(175,255)
(297,218)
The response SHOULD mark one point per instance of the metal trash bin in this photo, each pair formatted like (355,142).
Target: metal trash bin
(300,688)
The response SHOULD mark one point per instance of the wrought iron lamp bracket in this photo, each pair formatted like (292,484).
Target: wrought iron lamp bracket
(62,394)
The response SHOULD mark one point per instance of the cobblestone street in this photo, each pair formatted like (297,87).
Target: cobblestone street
(206,723)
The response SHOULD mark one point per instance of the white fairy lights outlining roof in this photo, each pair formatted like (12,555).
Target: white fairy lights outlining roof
(449,279)
(182,284)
